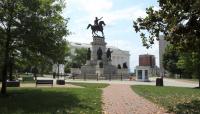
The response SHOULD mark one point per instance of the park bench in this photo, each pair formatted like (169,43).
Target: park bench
(40,82)
(60,82)
(14,83)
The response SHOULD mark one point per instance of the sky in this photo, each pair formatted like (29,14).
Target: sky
(118,16)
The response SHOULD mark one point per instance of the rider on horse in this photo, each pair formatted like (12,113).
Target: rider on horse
(98,26)
(96,21)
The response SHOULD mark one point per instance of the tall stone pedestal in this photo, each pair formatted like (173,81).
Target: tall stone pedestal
(92,66)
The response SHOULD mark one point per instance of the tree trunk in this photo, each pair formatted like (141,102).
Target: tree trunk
(7,50)
(199,82)
(198,64)
(5,64)
(10,69)
(58,71)
(197,71)
(198,74)
(35,72)
(42,70)
(4,74)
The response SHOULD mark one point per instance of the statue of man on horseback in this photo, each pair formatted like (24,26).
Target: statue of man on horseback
(98,26)
(96,21)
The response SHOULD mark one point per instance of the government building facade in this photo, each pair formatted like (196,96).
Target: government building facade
(118,56)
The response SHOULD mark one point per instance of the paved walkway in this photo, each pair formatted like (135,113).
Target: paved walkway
(167,82)
(121,99)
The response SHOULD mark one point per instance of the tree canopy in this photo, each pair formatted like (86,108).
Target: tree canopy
(170,59)
(30,27)
(178,20)
(79,58)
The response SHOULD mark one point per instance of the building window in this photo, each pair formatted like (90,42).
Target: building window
(139,74)
(146,74)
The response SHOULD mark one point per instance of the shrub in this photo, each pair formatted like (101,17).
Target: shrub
(27,79)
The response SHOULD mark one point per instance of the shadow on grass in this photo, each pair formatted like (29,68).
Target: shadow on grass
(192,107)
(40,101)
(90,85)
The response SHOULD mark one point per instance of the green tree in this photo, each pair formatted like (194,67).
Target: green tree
(1,54)
(68,66)
(1,62)
(80,56)
(179,21)
(60,52)
(30,26)
(76,59)
(185,62)
(170,59)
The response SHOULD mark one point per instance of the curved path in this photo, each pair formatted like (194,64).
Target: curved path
(121,99)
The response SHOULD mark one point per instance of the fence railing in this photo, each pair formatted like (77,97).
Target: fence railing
(100,77)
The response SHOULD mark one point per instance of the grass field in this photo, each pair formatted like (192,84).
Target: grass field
(53,100)
(90,85)
(174,99)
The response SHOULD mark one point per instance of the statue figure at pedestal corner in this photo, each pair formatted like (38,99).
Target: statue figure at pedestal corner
(101,65)
(119,66)
(108,54)
(98,26)
(99,54)
(88,54)
(125,65)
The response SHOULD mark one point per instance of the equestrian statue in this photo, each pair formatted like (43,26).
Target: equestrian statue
(98,26)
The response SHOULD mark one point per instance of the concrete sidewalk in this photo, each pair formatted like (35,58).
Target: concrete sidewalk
(167,82)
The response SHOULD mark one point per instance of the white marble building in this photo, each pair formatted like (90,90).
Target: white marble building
(61,68)
(118,56)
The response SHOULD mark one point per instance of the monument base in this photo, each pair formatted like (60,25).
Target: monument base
(95,69)
(122,71)
(88,69)
(93,66)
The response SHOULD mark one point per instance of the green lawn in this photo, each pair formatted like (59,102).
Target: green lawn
(174,99)
(53,100)
(90,85)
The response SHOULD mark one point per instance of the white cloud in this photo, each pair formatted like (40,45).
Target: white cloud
(123,14)
(92,6)
(89,9)
(83,37)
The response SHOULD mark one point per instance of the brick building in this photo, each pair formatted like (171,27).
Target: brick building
(147,67)
(147,60)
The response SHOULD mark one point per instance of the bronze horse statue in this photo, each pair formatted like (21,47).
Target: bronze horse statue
(97,28)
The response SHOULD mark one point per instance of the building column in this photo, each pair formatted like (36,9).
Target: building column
(143,75)
(136,74)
